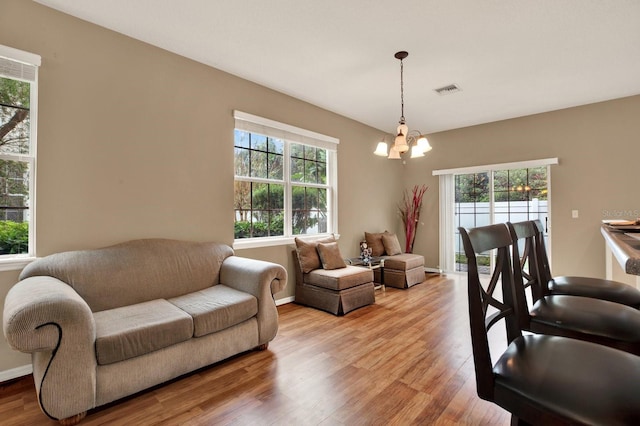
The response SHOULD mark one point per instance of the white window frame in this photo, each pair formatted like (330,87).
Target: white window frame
(447,201)
(20,65)
(291,134)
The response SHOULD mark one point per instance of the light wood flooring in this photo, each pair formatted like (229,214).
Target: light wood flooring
(405,360)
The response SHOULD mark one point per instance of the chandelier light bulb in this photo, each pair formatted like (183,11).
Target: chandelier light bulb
(381,149)
(393,154)
(424,145)
(400,144)
(416,152)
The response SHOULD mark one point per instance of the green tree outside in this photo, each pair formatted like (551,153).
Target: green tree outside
(14,175)
(508,185)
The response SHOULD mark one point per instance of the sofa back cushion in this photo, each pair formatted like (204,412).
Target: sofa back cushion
(308,253)
(135,271)
(330,256)
(391,244)
(374,241)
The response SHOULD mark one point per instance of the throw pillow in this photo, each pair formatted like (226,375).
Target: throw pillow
(391,244)
(308,253)
(374,241)
(330,256)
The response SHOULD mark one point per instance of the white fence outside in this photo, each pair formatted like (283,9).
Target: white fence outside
(471,215)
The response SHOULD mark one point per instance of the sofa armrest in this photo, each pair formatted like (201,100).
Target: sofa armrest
(36,302)
(262,280)
(47,318)
(251,275)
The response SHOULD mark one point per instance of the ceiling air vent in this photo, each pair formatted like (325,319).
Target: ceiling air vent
(446,90)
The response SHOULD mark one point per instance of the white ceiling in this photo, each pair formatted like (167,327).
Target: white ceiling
(510,57)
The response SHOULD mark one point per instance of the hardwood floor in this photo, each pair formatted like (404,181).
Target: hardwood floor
(405,360)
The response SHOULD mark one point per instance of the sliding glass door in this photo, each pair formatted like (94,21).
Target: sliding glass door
(497,196)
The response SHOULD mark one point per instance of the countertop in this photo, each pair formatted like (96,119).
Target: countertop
(624,247)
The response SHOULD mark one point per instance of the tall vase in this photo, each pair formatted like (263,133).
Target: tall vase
(410,210)
(411,235)
(409,246)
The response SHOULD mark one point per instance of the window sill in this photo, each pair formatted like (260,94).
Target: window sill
(249,243)
(15,263)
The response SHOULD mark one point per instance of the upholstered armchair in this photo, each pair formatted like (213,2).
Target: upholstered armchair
(324,281)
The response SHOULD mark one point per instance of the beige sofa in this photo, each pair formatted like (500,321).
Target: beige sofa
(106,323)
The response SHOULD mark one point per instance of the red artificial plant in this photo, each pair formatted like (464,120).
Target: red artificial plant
(410,211)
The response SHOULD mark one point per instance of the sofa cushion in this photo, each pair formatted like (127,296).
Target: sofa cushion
(404,261)
(330,256)
(216,308)
(374,241)
(391,244)
(130,331)
(339,279)
(308,253)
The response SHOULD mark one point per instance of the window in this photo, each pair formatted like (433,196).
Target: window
(18,95)
(284,181)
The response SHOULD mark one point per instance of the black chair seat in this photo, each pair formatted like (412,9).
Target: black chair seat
(585,318)
(596,288)
(575,380)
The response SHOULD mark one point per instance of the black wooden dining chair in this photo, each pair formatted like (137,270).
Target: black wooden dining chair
(596,288)
(585,318)
(540,379)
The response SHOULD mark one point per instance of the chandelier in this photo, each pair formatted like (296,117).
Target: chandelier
(405,138)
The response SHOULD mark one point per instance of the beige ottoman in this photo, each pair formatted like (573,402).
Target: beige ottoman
(402,270)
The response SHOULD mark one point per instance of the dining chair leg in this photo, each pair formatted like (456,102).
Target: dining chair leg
(518,422)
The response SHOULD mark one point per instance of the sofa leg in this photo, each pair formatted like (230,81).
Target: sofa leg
(263,347)
(73,420)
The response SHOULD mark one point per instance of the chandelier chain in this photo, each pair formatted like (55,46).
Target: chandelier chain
(401,92)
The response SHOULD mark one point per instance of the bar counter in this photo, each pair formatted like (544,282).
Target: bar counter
(625,248)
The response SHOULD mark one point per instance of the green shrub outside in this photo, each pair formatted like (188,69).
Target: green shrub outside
(242,229)
(480,260)
(14,237)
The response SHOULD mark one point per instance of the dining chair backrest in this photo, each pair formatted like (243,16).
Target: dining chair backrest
(526,273)
(491,302)
(544,269)
(525,237)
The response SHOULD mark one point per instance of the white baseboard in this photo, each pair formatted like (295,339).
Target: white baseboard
(285,300)
(14,373)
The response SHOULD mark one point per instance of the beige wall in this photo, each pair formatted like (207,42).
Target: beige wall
(137,142)
(598,147)
(9,359)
